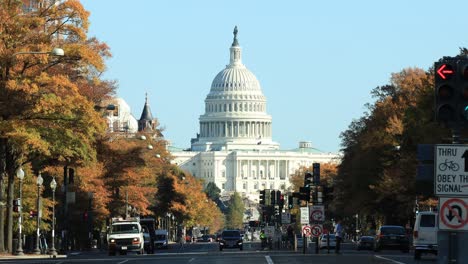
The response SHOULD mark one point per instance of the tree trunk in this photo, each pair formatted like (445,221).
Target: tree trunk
(2,192)
(2,212)
(10,194)
(11,162)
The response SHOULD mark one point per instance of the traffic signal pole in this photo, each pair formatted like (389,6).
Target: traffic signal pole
(451,105)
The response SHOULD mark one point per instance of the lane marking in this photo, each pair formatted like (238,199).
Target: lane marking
(123,261)
(192,259)
(394,261)
(268,259)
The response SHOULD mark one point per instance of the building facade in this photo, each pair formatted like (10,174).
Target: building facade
(234,147)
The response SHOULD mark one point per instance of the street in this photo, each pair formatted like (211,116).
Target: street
(208,253)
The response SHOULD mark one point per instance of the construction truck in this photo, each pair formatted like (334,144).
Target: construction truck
(125,235)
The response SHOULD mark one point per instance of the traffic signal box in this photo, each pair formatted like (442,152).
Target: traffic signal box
(273,197)
(316,173)
(262,197)
(267,197)
(16,205)
(308,179)
(451,91)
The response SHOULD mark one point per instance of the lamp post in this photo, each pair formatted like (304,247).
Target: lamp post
(20,175)
(53,185)
(39,181)
(55,52)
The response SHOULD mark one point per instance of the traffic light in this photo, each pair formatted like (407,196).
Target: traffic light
(267,197)
(280,199)
(445,91)
(262,197)
(32,214)
(273,197)
(316,173)
(290,202)
(463,91)
(16,205)
(304,193)
(308,178)
(319,194)
(277,210)
(313,195)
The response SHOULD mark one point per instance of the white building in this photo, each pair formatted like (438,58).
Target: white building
(120,119)
(234,148)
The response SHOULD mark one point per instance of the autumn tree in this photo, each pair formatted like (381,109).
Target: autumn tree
(377,174)
(43,115)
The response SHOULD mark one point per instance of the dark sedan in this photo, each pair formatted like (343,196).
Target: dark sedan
(365,242)
(392,237)
(231,239)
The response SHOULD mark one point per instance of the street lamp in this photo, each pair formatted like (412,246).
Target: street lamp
(53,185)
(20,176)
(39,181)
(55,52)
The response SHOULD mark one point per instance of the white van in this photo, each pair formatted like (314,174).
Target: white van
(425,233)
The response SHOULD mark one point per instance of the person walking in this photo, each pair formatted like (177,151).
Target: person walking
(338,235)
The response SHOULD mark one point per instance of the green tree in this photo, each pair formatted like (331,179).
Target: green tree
(235,213)
(212,191)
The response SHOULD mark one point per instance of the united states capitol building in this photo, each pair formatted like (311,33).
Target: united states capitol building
(234,147)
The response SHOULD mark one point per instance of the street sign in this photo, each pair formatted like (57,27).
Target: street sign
(304,215)
(451,170)
(306,230)
(317,230)
(453,214)
(317,213)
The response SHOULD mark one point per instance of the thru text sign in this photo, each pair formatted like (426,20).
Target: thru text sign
(451,170)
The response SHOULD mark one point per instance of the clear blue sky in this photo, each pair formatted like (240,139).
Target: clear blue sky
(316,61)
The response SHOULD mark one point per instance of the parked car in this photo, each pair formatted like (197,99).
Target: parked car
(391,237)
(365,242)
(231,239)
(331,241)
(425,234)
(205,238)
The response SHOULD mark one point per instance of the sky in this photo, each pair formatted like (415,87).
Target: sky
(316,61)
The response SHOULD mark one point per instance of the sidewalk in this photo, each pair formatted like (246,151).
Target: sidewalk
(4,256)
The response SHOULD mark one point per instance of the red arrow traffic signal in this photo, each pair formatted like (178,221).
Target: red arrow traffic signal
(445,71)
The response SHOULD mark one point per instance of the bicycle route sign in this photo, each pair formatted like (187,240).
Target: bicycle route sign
(453,214)
(451,170)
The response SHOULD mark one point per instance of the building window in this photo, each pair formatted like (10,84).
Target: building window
(223,186)
(244,186)
(256,186)
(223,173)
(254,175)
(272,186)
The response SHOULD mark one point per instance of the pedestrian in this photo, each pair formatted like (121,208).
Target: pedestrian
(263,239)
(290,234)
(338,235)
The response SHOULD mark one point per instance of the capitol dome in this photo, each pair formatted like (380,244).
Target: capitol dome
(235,110)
